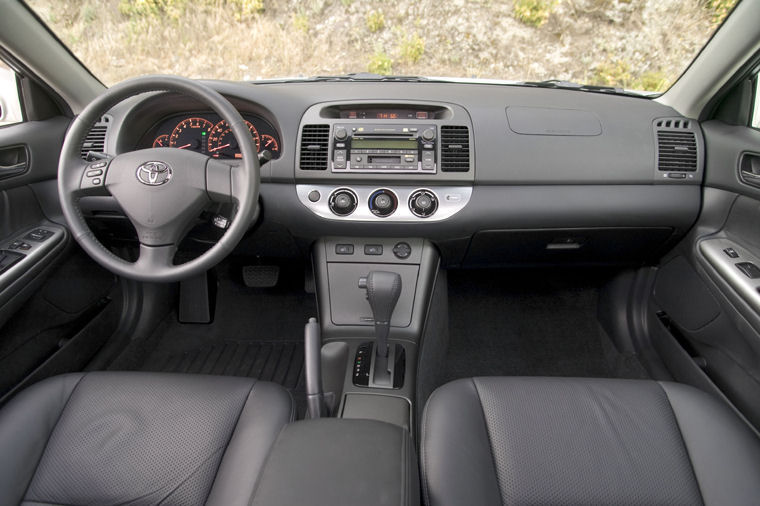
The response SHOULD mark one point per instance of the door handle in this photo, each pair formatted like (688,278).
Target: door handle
(13,161)
(749,169)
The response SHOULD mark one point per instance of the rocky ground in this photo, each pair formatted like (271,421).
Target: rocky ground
(641,44)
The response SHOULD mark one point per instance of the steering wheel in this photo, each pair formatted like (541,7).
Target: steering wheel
(161,190)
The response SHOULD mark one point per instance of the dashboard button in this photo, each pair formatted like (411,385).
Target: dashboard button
(314,196)
(402,250)
(373,249)
(344,249)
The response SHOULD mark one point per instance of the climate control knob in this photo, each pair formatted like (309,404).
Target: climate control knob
(423,203)
(383,203)
(343,202)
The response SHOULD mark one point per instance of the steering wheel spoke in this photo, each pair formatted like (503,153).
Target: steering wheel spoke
(153,259)
(219,181)
(93,178)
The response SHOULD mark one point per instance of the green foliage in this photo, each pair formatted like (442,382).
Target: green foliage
(380,63)
(412,48)
(719,9)
(245,9)
(618,73)
(375,21)
(301,22)
(173,9)
(533,12)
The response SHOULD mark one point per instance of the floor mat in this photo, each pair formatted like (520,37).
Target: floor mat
(530,323)
(256,333)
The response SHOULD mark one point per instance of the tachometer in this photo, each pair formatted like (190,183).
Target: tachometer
(268,142)
(192,134)
(162,141)
(222,144)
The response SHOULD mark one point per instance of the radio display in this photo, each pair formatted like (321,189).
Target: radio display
(383,143)
(372,113)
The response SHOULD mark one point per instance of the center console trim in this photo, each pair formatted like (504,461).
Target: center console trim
(451,200)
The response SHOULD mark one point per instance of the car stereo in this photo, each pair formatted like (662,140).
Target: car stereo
(373,148)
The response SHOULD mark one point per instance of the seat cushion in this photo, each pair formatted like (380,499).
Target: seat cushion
(139,438)
(584,441)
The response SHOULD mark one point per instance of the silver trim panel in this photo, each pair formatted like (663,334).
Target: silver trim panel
(451,200)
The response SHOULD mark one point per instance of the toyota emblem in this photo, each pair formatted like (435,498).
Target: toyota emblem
(154,173)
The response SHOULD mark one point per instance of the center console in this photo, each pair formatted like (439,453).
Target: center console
(373,295)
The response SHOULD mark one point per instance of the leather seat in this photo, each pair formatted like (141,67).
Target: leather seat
(138,439)
(584,441)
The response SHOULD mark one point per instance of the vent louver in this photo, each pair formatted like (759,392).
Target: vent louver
(95,140)
(676,150)
(455,148)
(315,141)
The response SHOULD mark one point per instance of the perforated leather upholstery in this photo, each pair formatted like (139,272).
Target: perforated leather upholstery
(553,441)
(139,438)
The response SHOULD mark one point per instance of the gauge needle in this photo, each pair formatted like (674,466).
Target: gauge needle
(218,148)
(185,146)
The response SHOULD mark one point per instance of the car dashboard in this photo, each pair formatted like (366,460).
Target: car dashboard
(494,175)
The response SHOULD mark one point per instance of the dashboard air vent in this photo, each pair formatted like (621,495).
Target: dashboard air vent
(95,140)
(315,141)
(676,150)
(455,148)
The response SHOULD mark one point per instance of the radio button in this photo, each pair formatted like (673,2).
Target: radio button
(428,134)
(340,133)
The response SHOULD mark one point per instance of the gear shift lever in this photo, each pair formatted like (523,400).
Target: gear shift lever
(383,289)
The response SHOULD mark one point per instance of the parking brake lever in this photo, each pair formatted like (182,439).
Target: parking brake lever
(315,398)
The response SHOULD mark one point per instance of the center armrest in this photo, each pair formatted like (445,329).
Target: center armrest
(336,462)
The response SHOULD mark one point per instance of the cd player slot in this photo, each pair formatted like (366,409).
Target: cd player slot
(384,159)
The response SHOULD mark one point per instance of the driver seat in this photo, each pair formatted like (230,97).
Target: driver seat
(139,438)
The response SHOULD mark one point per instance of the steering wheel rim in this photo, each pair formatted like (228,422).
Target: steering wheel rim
(193,181)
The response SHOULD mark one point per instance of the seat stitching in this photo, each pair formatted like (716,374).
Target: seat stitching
(488,435)
(683,441)
(423,448)
(52,429)
(265,464)
(229,439)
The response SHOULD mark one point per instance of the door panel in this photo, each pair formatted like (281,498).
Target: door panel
(56,305)
(706,292)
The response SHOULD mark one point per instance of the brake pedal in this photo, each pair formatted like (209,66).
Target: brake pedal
(261,276)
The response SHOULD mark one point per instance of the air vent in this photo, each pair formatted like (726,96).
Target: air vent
(676,150)
(315,140)
(95,140)
(455,148)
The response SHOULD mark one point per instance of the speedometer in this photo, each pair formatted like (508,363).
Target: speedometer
(222,143)
(192,134)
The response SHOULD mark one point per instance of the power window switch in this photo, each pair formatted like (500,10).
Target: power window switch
(731,253)
(749,269)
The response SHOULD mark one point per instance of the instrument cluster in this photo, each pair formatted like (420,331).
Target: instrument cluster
(209,134)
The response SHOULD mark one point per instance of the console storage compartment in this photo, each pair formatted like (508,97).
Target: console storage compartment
(337,462)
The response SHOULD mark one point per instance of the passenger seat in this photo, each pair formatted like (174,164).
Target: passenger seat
(550,441)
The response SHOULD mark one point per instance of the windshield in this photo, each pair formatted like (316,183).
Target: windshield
(632,44)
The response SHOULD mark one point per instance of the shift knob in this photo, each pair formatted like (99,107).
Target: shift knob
(383,290)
